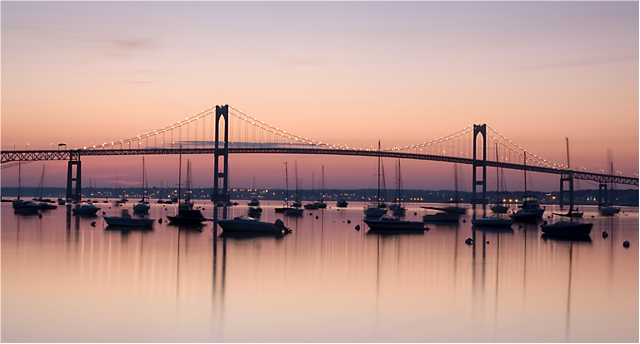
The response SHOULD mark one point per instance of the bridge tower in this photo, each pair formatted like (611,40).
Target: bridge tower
(221,168)
(603,194)
(74,160)
(480,129)
(566,178)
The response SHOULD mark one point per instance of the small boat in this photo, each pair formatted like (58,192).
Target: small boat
(320,204)
(61,201)
(250,224)
(372,210)
(608,210)
(254,202)
(442,217)
(571,213)
(25,207)
(567,228)
(187,217)
(85,209)
(530,204)
(342,203)
(492,222)
(386,222)
(311,206)
(379,208)
(524,216)
(143,205)
(499,208)
(127,221)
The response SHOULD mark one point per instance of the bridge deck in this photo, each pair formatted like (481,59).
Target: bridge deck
(38,155)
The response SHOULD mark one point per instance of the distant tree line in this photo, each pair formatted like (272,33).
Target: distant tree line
(628,197)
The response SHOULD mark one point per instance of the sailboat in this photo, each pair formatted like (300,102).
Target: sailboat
(186,215)
(378,209)
(312,205)
(608,209)
(399,209)
(295,209)
(530,210)
(43,203)
(572,212)
(320,203)
(143,205)
(20,206)
(254,200)
(499,207)
(254,209)
(455,208)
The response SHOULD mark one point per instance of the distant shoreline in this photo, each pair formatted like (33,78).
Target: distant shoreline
(627,197)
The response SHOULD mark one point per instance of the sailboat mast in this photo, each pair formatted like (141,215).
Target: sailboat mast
(297,189)
(179,173)
(322,196)
(19,178)
(525,173)
(455,176)
(497,173)
(568,164)
(286,176)
(379,159)
(400,193)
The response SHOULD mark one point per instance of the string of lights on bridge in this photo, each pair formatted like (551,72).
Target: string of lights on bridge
(247,131)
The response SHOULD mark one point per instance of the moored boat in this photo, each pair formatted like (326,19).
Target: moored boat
(187,217)
(524,216)
(25,207)
(342,203)
(608,210)
(567,228)
(85,209)
(250,224)
(373,210)
(127,220)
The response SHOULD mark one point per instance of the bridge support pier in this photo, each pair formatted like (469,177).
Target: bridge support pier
(76,194)
(221,158)
(566,178)
(480,129)
(603,196)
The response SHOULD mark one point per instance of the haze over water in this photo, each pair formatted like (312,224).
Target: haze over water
(66,281)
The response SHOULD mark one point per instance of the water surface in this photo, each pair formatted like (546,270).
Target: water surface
(64,280)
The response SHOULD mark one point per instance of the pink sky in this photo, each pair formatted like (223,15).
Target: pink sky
(404,73)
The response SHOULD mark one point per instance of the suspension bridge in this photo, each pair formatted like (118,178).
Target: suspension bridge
(224,130)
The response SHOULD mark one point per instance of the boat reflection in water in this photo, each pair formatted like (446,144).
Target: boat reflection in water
(386,222)
(126,220)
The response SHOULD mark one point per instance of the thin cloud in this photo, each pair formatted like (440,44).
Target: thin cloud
(582,62)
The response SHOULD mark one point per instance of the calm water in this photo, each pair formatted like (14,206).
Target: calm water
(66,281)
